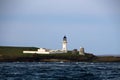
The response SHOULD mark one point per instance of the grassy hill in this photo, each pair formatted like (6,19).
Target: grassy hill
(8,53)
(13,54)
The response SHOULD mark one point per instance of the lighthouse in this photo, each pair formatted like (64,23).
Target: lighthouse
(64,44)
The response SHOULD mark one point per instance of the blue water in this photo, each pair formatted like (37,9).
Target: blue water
(59,71)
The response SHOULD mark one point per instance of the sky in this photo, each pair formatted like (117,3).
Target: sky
(92,24)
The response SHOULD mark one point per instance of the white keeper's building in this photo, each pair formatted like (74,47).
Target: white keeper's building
(49,51)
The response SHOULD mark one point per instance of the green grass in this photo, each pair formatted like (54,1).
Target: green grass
(16,53)
(11,52)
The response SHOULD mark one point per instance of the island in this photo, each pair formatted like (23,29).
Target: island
(15,54)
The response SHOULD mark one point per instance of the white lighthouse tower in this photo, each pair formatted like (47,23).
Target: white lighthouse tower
(64,44)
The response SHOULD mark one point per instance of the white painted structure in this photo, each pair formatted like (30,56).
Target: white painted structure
(48,51)
(64,44)
(39,51)
(81,52)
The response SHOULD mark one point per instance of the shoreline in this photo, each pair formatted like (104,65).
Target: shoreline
(59,60)
(15,54)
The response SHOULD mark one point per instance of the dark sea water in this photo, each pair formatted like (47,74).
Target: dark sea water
(59,71)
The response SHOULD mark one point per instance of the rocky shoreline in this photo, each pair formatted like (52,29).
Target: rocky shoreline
(28,59)
(15,54)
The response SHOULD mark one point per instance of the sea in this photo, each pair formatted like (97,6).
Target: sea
(59,71)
